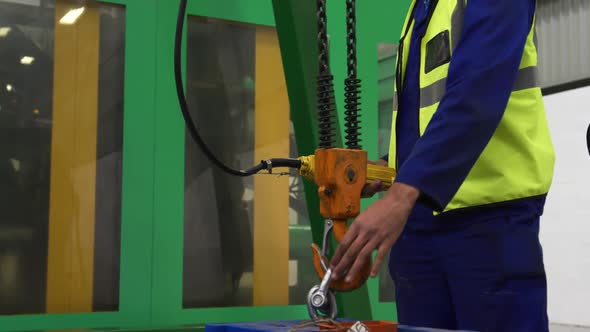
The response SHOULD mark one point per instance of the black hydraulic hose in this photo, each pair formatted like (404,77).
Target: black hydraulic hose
(265,164)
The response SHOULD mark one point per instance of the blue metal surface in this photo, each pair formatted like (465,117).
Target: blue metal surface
(285,326)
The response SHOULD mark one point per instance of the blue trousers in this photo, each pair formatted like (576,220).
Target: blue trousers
(487,276)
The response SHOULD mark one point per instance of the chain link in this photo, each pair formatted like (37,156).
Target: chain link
(323,38)
(352,85)
(351,37)
(325,86)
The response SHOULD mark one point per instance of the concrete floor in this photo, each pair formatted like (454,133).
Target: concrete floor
(568,328)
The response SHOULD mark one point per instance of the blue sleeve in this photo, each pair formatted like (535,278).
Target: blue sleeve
(480,79)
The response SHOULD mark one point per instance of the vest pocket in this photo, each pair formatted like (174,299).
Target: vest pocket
(438,51)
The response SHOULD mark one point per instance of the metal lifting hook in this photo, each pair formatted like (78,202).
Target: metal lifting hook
(321,301)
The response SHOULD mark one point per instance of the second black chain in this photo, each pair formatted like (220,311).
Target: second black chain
(325,87)
(352,84)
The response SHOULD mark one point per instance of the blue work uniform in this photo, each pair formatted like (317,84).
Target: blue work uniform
(481,268)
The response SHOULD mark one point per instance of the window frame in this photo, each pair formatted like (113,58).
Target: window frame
(137,188)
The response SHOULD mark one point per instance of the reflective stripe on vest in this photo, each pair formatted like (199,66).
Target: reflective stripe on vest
(527,78)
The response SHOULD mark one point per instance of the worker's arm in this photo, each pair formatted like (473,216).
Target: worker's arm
(481,76)
(482,72)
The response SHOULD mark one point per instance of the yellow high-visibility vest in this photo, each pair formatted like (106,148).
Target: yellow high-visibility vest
(518,161)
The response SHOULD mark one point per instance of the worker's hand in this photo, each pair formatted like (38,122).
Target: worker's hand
(376,187)
(378,227)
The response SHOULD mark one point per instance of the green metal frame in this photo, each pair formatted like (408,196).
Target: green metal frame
(153,162)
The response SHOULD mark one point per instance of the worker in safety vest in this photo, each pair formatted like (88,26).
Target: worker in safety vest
(475,162)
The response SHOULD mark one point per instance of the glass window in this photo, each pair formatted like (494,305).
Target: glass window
(246,240)
(61,115)
(386,64)
(109,154)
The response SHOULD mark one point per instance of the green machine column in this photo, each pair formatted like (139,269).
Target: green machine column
(297,30)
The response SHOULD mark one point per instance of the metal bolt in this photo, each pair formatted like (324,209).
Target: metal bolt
(351,174)
(318,300)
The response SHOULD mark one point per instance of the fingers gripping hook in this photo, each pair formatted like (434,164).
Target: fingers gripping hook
(321,262)
(321,301)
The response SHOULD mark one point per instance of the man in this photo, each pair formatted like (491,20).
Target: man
(475,162)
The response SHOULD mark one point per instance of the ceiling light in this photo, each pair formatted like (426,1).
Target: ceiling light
(4,31)
(27,60)
(8,87)
(71,16)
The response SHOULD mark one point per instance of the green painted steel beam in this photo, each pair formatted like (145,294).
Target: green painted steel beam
(295,21)
(300,66)
(252,11)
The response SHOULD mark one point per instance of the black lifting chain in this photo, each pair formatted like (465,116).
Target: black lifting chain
(325,82)
(352,85)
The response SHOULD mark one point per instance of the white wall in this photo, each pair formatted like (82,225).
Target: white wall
(565,227)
